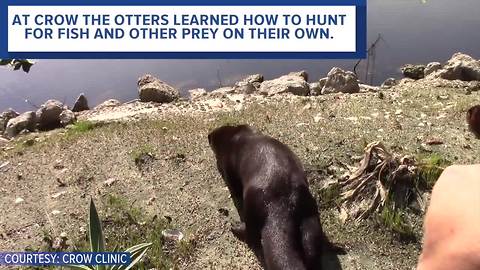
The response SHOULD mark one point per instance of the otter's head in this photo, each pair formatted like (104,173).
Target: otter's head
(221,139)
(473,120)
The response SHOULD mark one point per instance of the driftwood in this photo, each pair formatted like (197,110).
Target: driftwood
(381,178)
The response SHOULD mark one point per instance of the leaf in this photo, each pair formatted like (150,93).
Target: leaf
(97,240)
(4,62)
(136,252)
(26,66)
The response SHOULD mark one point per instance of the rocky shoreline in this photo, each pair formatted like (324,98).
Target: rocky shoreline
(156,96)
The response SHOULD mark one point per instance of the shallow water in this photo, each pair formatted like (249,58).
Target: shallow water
(412,32)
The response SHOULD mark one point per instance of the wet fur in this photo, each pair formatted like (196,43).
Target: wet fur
(279,217)
(473,120)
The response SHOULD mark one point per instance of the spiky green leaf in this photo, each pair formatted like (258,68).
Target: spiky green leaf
(136,252)
(97,240)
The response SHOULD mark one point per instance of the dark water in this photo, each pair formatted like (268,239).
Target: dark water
(413,31)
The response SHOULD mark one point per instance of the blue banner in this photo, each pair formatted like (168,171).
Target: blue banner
(142,29)
(64,258)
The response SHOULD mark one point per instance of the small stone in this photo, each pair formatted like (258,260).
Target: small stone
(432,67)
(109,182)
(60,243)
(317,118)
(151,200)
(111,103)
(389,83)
(4,164)
(67,117)
(197,93)
(56,195)
(19,200)
(3,141)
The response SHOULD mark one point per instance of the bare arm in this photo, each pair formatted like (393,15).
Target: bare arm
(452,223)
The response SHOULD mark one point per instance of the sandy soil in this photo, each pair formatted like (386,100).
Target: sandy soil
(56,173)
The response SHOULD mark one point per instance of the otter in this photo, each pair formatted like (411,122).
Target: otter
(279,218)
(473,120)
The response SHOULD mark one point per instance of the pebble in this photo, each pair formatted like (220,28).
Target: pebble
(19,200)
(56,195)
(109,182)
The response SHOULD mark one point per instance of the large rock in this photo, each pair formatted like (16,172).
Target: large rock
(432,67)
(221,92)
(293,83)
(389,83)
(81,104)
(48,116)
(460,67)
(197,93)
(341,81)
(415,72)
(67,117)
(316,87)
(244,88)
(253,79)
(25,121)
(151,89)
(111,103)
(5,117)
(301,73)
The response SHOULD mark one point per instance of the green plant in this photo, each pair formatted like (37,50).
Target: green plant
(141,151)
(329,196)
(128,224)
(394,219)
(430,168)
(97,244)
(82,126)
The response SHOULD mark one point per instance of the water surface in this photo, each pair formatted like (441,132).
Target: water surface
(413,31)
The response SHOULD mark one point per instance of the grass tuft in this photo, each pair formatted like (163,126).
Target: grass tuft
(329,196)
(82,127)
(394,220)
(429,169)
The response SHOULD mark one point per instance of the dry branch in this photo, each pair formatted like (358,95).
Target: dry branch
(380,178)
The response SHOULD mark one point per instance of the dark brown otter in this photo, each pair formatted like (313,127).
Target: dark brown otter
(279,216)
(473,120)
